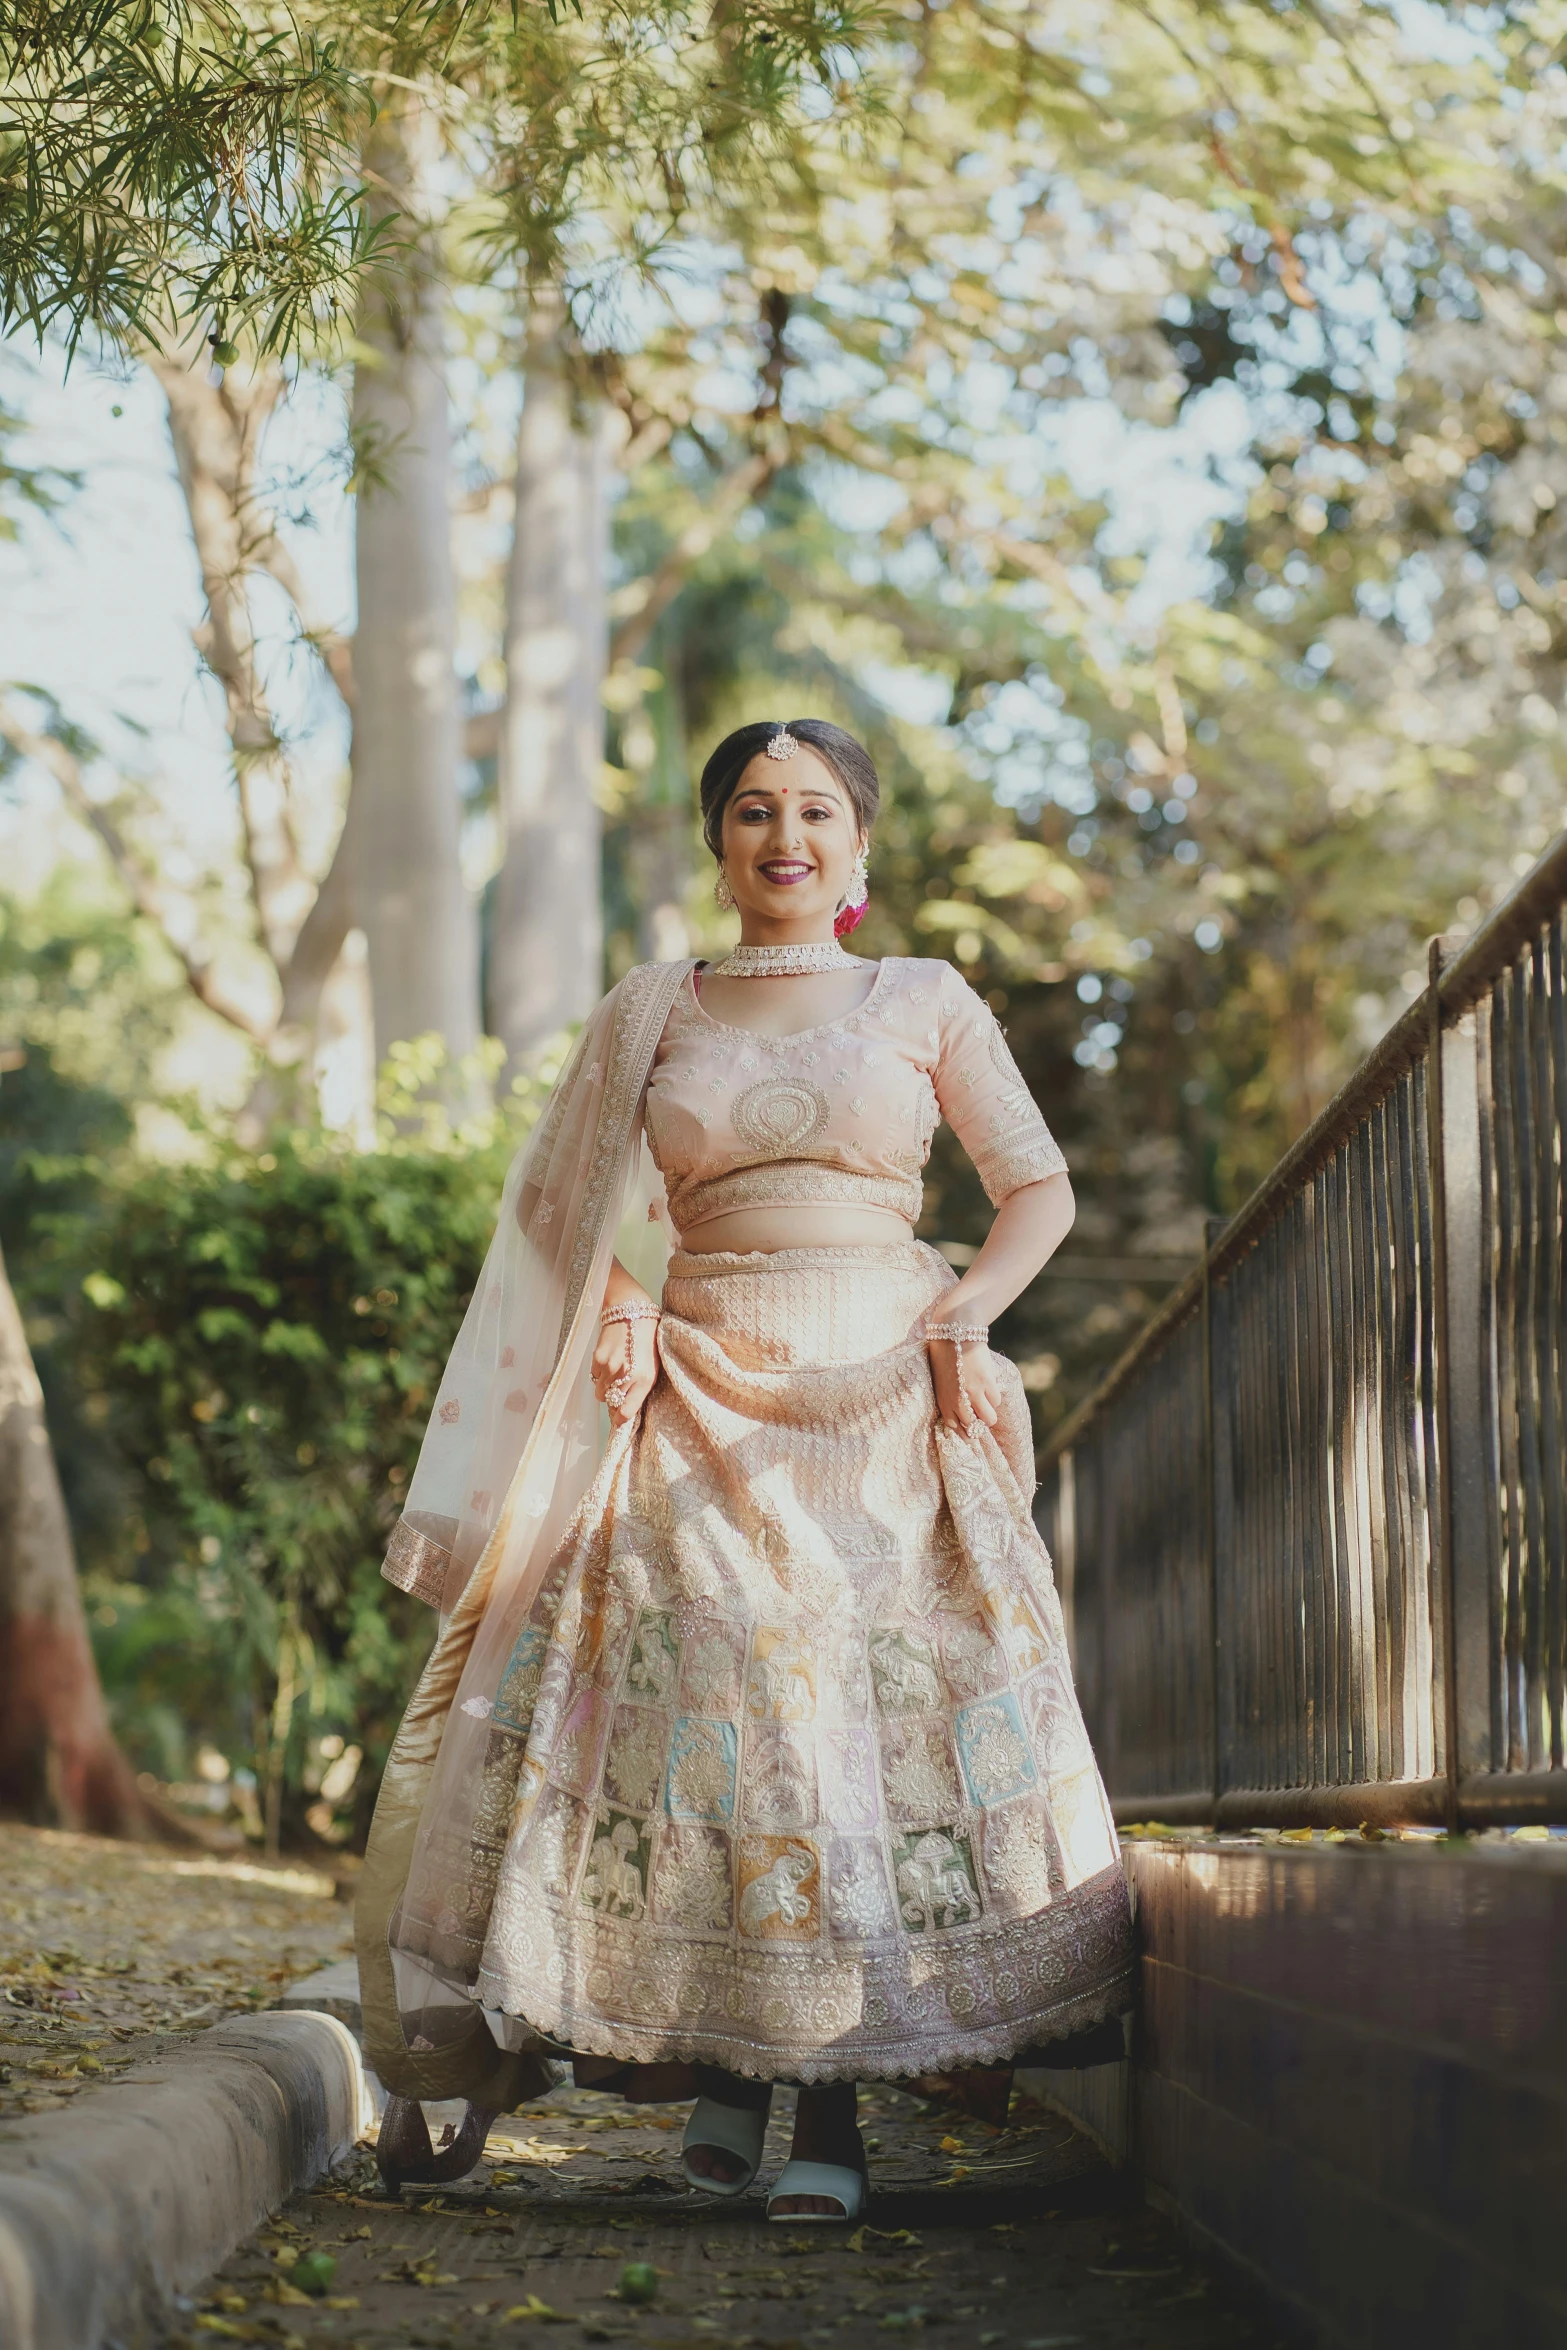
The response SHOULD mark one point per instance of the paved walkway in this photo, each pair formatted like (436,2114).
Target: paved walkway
(107,1948)
(1014,2240)
(1000,2240)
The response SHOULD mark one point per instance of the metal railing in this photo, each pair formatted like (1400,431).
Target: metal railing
(1311,1532)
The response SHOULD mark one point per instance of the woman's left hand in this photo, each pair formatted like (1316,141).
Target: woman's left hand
(979,1385)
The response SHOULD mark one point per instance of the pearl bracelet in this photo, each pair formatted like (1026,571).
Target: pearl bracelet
(634,1310)
(959,1335)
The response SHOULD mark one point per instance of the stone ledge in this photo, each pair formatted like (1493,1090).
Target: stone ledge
(140,2189)
(331,1990)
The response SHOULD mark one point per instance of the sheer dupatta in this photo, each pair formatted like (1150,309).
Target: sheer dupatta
(510,1450)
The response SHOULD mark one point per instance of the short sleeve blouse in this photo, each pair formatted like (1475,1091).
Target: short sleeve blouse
(842,1113)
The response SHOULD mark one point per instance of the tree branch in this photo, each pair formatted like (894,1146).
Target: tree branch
(173,919)
(336,651)
(322,932)
(216,432)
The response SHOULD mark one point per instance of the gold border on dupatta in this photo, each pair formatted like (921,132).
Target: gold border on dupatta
(475,2067)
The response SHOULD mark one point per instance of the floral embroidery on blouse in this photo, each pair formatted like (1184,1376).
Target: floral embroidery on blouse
(778,1139)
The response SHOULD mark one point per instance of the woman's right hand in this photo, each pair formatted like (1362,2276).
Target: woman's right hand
(962,1403)
(626,1360)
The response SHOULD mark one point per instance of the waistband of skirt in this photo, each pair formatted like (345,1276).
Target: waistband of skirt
(893,1256)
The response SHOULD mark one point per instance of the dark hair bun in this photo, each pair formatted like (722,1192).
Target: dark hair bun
(849,761)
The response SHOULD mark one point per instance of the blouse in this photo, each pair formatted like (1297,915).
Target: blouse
(842,1113)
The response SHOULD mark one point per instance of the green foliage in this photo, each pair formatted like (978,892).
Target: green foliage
(238,1350)
(163,159)
(164,162)
(258,1340)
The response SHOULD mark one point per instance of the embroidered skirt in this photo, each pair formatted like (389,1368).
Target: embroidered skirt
(795,1776)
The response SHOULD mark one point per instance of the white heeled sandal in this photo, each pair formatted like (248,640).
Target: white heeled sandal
(731,2129)
(827,2179)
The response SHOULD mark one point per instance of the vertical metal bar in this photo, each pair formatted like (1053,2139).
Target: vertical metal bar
(1389,1285)
(1442,1527)
(1426,1114)
(1488,1357)
(1403,1381)
(1373,1616)
(1504,1129)
(1340,1474)
(1286,1573)
(1249,1490)
(1322,1482)
(1293,1547)
(1221,1329)
(1551,1121)
(1530,1465)
(1212,1226)
(1313,1559)
(1545,1465)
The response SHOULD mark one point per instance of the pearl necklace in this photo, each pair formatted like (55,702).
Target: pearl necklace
(797,962)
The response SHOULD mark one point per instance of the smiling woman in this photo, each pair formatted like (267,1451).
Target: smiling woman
(754,1755)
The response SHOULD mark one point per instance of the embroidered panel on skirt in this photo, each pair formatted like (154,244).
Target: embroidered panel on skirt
(787,1771)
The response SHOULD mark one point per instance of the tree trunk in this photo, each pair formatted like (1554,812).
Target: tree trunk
(546,965)
(59,1763)
(662,855)
(409,896)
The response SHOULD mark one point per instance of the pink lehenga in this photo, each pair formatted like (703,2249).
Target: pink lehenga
(754,1739)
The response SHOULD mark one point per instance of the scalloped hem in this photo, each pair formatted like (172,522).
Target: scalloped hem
(588,2035)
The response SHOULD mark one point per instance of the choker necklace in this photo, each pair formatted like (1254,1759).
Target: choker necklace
(784,962)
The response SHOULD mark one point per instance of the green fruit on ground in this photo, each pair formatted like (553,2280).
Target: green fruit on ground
(313,2272)
(638,2281)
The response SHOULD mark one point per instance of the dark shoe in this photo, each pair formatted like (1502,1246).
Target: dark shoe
(638,2084)
(1098,2044)
(982,2090)
(403,2153)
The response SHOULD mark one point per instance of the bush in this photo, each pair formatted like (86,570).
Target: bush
(239,1353)
(260,1343)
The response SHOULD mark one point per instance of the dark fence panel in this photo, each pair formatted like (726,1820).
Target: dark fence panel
(1313,1528)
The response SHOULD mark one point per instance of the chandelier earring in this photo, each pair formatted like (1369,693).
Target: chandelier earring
(723,895)
(852,912)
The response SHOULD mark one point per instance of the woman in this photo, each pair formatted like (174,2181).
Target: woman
(752,1752)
